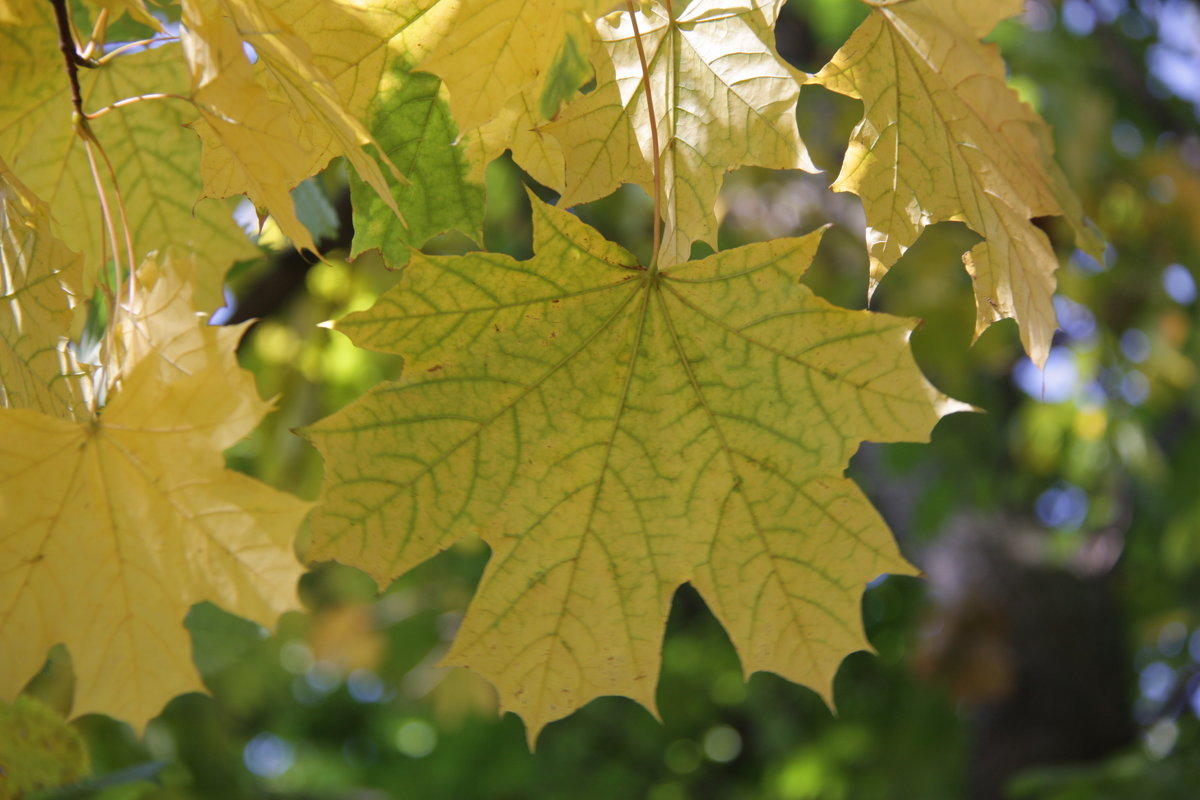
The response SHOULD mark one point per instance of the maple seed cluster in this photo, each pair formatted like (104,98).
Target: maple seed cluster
(611,433)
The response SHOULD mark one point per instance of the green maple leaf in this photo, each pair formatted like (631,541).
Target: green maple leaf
(411,121)
(613,432)
(722,98)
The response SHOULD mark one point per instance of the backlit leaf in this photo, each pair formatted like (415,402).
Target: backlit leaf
(613,432)
(414,128)
(38,278)
(116,525)
(249,145)
(722,98)
(498,49)
(944,138)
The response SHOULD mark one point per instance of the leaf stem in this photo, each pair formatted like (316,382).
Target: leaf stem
(637,38)
(116,51)
(128,101)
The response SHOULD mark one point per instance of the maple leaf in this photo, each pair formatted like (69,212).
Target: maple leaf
(519,129)
(413,125)
(249,146)
(325,125)
(116,525)
(613,432)
(156,160)
(368,50)
(944,138)
(722,98)
(496,51)
(38,279)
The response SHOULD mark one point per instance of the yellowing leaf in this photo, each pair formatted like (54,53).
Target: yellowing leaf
(326,126)
(161,326)
(249,145)
(115,527)
(367,50)
(155,157)
(944,138)
(38,278)
(498,49)
(613,432)
(722,98)
(517,128)
(38,749)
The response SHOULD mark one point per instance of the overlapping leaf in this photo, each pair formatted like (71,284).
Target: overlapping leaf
(613,432)
(38,279)
(155,158)
(369,58)
(501,49)
(249,144)
(944,138)
(116,525)
(324,125)
(722,97)
(414,128)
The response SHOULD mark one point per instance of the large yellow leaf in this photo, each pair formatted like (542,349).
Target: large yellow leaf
(944,138)
(156,159)
(613,432)
(722,98)
(116,525)
(38,278)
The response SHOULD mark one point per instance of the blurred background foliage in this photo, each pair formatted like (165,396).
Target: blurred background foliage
(1081,478)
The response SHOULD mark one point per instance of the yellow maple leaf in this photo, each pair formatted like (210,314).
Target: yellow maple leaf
(963,148)
(496,51)
(722,98)
(517,127)
(324,124)
(116,525)
(156,159)
(38,279)
(249,145)
(613,432)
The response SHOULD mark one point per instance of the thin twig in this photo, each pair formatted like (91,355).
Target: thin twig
(637,38)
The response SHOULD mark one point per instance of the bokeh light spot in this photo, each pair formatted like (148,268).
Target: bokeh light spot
(1179,284)
(722,744)
(1055,384)
(268,756)
(1062,506)
(415,738)
(365,686)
